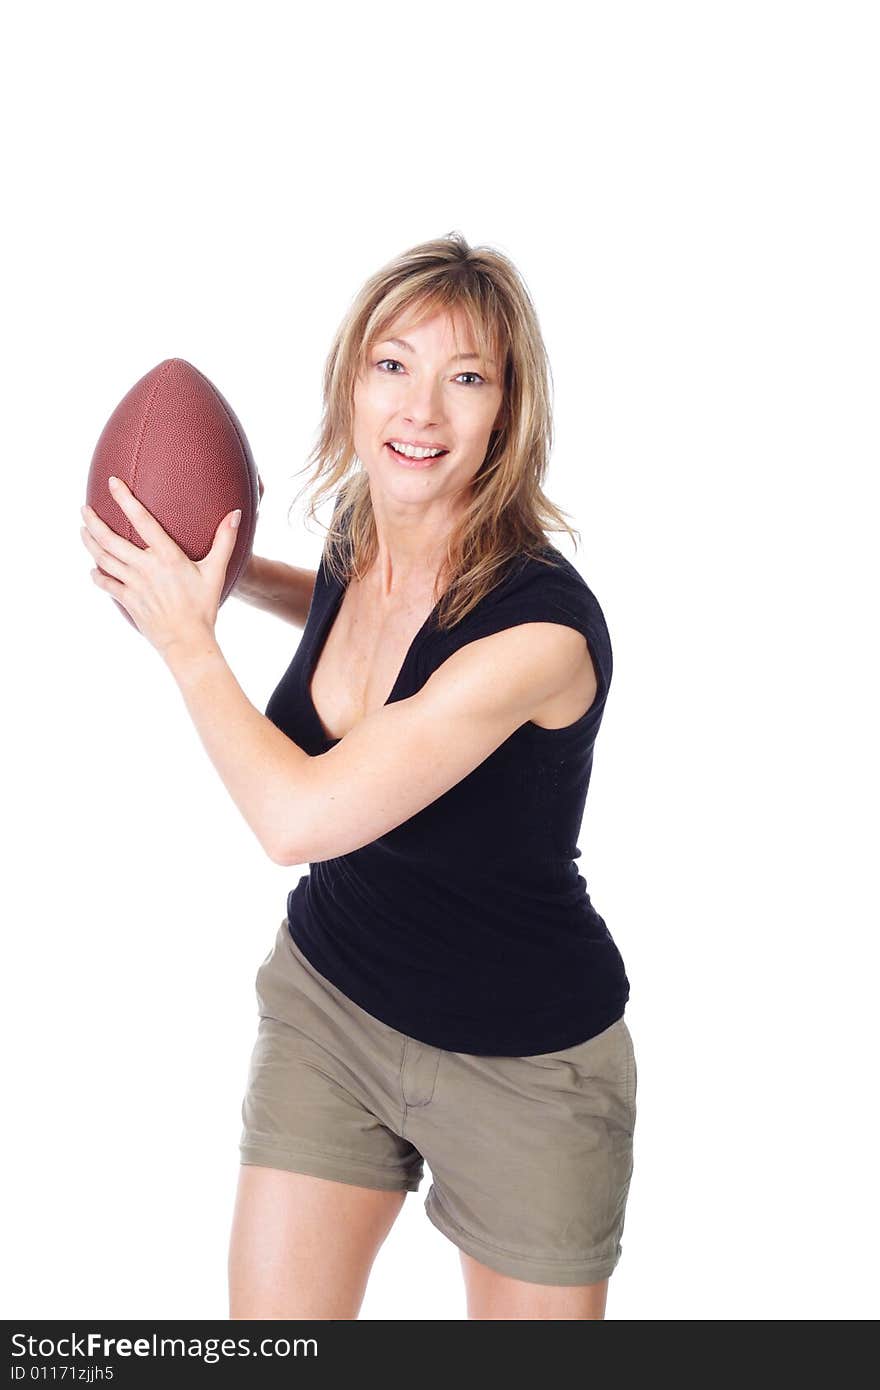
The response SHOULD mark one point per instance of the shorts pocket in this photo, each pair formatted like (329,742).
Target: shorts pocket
(598,1075)
(631,1080)
(258,979)
(267,987)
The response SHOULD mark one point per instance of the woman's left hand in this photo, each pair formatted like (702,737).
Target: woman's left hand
(173,600)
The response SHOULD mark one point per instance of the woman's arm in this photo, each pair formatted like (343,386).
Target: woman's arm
(285,590)
(394,762)
(402,757)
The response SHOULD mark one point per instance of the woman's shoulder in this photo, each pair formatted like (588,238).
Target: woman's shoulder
(537,587)
(549,578)
(541,586)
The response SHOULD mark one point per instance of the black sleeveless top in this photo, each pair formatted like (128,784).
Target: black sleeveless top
(468,927)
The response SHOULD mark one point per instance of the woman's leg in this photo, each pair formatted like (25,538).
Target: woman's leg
(302,1246)
(491,1295)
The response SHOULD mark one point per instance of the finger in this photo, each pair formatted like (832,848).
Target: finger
(148,528)
(217,559)
(112,586)
(124,550)
(107,561)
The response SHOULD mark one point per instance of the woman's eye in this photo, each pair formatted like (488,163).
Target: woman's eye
(392,361)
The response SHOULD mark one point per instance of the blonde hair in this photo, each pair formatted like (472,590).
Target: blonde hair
(506,514)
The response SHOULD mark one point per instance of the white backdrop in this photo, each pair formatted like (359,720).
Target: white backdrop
(690,192)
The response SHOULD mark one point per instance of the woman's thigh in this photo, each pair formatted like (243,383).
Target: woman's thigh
(324,1170)
(303,1246)
(531,1160)
(322,1095)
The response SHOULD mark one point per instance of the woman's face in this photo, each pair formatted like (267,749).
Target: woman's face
(417,390)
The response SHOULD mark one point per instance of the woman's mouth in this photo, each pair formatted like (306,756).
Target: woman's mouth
(414,463)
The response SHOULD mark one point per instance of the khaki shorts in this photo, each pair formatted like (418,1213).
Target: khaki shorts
(530,1157)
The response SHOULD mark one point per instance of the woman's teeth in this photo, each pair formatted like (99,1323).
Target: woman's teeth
(413,451)
(413,456)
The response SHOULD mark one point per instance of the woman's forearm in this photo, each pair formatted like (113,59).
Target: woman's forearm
(264,771)
(276,587)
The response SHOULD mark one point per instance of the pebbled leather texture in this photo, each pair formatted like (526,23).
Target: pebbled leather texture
(177,443)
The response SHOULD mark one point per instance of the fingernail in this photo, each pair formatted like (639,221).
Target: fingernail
(235,518)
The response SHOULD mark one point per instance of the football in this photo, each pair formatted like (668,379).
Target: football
(179,446)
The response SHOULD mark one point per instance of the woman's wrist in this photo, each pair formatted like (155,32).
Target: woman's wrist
(278,588)
(251,582)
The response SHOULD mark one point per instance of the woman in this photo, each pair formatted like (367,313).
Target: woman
(441,987)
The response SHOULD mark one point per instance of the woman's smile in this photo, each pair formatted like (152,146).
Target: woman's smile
(413,463)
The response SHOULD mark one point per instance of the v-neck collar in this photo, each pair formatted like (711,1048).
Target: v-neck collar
(336,594)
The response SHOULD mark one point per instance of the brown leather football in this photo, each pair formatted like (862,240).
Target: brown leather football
(179,446)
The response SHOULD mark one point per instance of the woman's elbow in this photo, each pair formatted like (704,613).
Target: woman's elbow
(305,846)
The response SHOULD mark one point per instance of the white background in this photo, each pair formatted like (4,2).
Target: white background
(690,191)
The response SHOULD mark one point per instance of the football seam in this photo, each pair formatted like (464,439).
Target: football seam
(245,452)
(166,367)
